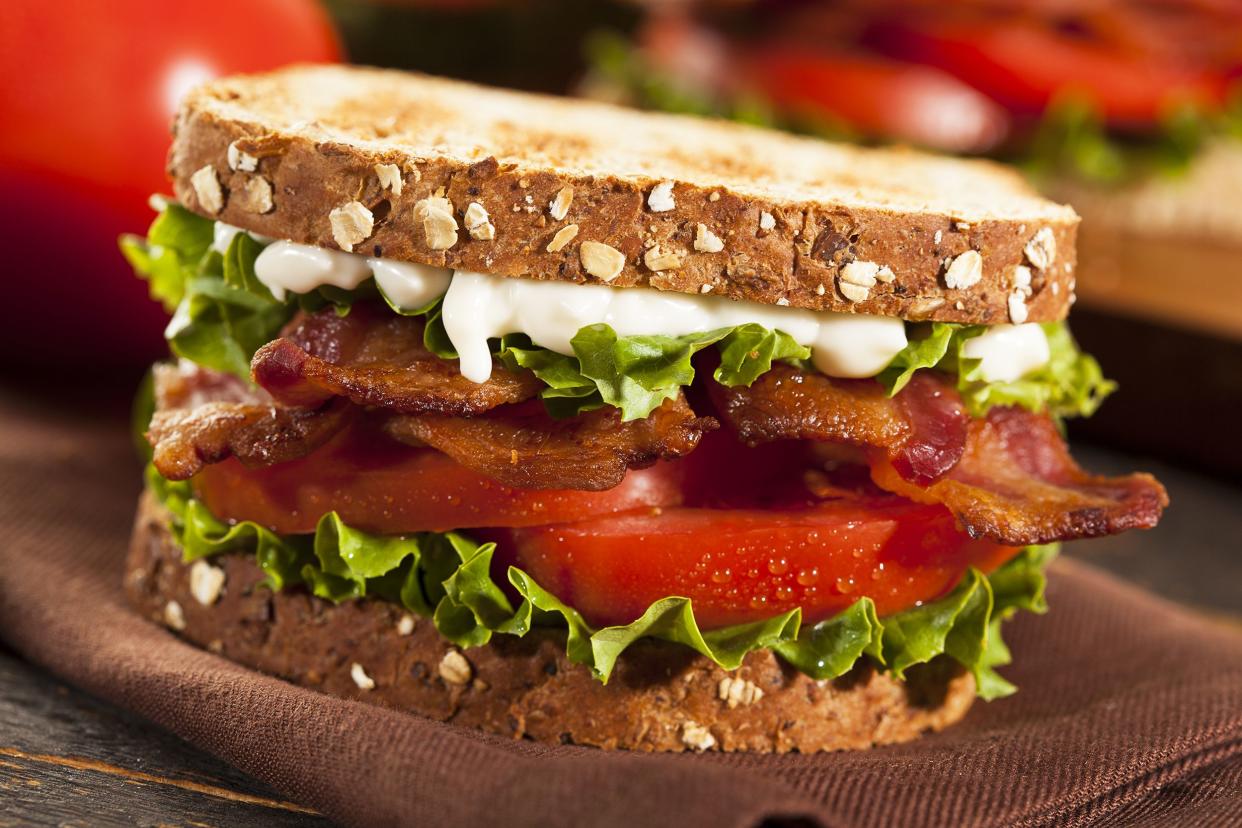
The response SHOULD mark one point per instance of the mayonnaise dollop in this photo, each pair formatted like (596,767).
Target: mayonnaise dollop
(478,307)
(1008,352)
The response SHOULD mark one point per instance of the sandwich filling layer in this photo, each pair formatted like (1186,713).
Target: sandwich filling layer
(500,452)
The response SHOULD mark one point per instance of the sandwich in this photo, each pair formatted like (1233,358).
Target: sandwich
(586,425)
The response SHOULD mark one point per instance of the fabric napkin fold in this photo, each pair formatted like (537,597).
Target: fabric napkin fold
(1129,710)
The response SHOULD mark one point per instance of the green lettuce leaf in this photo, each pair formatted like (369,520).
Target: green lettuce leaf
(222,313)
(1070,385)
(638,373)
(449,578)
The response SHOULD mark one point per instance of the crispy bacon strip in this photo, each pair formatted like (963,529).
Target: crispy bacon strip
(204,417)
(924,427)
(1008,476)
(522,446)
(376,358)
(1016,483)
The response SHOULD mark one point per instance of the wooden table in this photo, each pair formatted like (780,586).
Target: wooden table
(69,760)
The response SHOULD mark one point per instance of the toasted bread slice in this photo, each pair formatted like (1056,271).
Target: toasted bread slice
(441,172)
(661,697)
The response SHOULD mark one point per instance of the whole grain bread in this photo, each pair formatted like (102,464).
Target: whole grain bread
(448,173)
(660,697)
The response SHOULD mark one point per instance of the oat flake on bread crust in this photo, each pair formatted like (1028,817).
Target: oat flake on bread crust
(322,131)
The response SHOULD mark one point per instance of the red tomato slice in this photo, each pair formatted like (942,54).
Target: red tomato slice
(1024,66)
(746,565)
(880,98)
(384,487)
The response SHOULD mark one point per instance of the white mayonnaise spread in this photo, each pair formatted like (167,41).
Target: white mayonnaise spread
(1008,352)
(410,286)
(478,307)
(299,268)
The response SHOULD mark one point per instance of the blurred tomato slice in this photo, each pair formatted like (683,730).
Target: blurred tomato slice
(1023,66)
(87,95)
(878,97)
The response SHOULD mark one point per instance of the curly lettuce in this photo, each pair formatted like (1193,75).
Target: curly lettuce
(221,312)
(449,578)
(1071,384)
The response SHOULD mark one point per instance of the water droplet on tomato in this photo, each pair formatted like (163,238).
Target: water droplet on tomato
(722,576)
(778,566)
(806,577)
(844,585)
(758,601)
(752,573)
(784,593)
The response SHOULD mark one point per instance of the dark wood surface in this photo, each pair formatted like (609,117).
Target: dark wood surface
(67,759)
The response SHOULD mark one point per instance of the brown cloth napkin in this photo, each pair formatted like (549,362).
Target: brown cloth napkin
(1129,712)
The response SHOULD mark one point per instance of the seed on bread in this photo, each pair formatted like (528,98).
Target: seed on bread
(563,237)
(661,198)
(479,223)
(389,177)
(256,195)
(705,241)
(697,737)
(240,160)
(658,259)
(439,226)
(352,224)
(455,669)
(174,616)
(207,189)
(920,308)
(852,292)
(558,207)
(206,582)
(735,691)
(1041,250)
(360,677)
(767,221)
(1021,278)
(964,271)
(1017,307)
(601,260)
(405,626)
(857,278)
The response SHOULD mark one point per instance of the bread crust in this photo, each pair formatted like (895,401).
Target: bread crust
(661,697)
(315,138)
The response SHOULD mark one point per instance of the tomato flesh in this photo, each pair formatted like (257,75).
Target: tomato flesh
(746,565)
(381,486)
(746,533)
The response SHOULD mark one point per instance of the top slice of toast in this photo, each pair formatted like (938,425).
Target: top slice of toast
(449,173)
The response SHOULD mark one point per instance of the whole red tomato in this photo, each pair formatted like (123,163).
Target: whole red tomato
(88,90)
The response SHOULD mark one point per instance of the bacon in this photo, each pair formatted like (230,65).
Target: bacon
(522,446)
(206,416)
(924,426)
(1018,484)
(186,439)
(376,358)
(1008,476)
